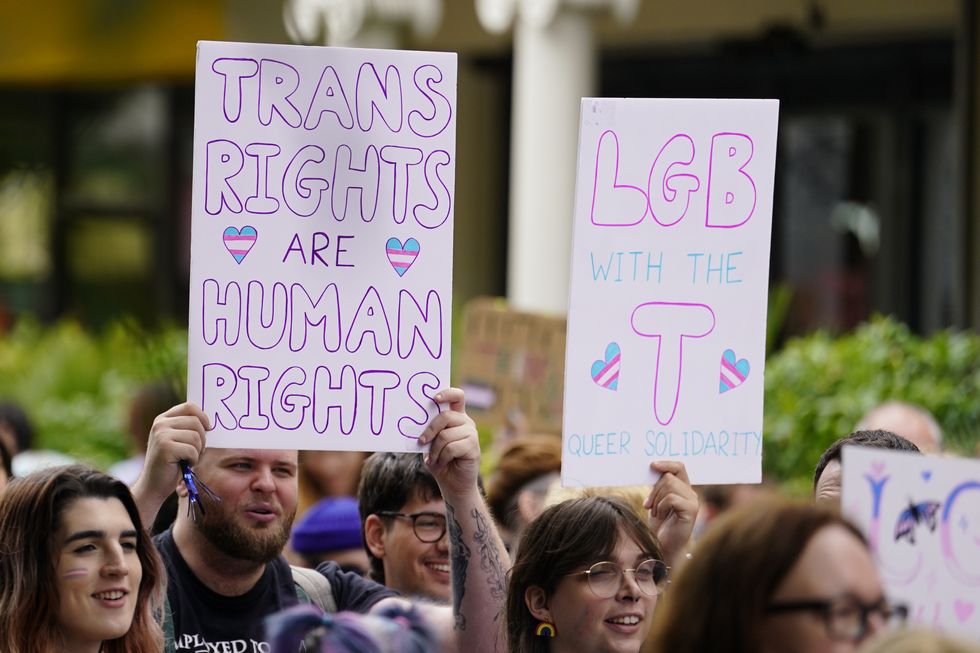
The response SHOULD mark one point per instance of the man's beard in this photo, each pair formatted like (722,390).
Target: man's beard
(237,541)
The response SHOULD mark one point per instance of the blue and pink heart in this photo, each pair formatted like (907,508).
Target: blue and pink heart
(733,372)
(605,371)
(239,242)
(401,257)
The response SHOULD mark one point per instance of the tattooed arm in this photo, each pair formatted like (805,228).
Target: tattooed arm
(478,558)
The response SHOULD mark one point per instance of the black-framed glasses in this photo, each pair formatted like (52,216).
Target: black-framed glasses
(606,577)
(845,617)
(429,527)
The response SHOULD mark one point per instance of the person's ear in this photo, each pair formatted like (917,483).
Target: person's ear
(374,536)
(181,490)
(536,601)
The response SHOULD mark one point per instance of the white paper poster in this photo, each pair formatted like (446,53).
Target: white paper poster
(669,279)
(321,255)
(921,515)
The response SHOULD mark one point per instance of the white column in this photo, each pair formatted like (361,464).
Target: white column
(359,23)
(554,68)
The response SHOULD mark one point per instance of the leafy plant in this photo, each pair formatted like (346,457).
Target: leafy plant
(819,386)
(76,385)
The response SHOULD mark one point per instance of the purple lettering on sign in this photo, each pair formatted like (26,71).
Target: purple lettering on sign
(378,383)
(265,322)
(370,319)
(402,159)
(670,323)
(303,194)
(384,97)
(421,387)
(363,181)
(329,397)
(434,216)
(224,160)
(329,97)
(253,419)
(665,207)
(614,204)
(289,408)
(221,312)
(412,321)
(218,386)
(260,202)
(323,312)
(277,83)
(731,191)
(440,112)
(233,71)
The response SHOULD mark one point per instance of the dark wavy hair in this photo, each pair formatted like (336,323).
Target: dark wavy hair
(31,512)
(565,538)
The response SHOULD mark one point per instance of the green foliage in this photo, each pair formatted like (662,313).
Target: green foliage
(76,386)
(818,387)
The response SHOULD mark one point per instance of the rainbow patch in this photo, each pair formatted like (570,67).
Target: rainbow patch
(545,630)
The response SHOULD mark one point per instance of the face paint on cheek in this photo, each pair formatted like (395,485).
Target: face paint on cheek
(75,573)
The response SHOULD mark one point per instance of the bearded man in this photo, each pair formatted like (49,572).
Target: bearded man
(225,569)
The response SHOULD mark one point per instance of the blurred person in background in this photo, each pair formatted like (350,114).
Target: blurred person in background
(17,432)
(391,630)
(775,577)
(827,474)
(517,488)
(327,474)
(77,570)
(149,401)
(914,423)
(330,530)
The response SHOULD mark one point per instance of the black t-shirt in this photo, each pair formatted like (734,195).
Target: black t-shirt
(207,622)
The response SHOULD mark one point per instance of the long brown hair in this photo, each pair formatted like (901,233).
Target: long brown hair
(564,538)
(718,600)
(31,511)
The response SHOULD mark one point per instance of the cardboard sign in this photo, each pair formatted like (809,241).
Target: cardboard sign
(921,515)
(512,361)
(321,254)
(669,279)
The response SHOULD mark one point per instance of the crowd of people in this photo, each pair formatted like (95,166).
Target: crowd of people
(404,554)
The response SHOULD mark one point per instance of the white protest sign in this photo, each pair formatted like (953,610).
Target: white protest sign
(669,280)
(321,253)
(921,515)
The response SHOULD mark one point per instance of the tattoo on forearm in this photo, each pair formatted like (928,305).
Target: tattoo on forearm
(460,557)
(489,557)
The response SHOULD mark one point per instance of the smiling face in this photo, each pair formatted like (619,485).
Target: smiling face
(97,572)
(258,492)
(585,622)
(411,566)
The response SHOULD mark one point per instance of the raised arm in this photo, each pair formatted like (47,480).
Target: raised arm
(478,558)
(178,434)
(673,506)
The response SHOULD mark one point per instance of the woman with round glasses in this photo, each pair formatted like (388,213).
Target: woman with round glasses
(586,579)
(775,577)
